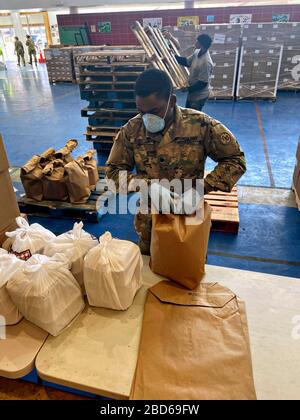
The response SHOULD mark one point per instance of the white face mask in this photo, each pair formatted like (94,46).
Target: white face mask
(154,123)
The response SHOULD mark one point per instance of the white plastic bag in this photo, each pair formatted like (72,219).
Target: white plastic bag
(112,273)
(46,293)
(28,240)
(9,265)
(74,245)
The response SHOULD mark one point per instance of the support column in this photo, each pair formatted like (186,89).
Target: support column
(19,31)
(47,28)
(73,10)
(189,4)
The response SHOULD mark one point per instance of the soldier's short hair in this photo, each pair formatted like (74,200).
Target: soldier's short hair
(154,81)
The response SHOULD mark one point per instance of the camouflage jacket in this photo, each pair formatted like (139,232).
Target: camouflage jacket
(30,45)
(19,47)
(180,152)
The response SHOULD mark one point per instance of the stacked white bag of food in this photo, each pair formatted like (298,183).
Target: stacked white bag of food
(9,265)
(74,244)
(113,273)
(46,293)
(27,239)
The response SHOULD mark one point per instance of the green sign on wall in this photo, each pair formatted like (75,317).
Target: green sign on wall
(73,35)
(104,27)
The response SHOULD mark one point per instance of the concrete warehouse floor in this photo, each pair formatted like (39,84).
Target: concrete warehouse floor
(35,115)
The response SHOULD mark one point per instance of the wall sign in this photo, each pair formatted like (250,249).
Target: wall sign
(241,18)
(183,21)
(281,18)
(104,27)
(154,22)
(210,19)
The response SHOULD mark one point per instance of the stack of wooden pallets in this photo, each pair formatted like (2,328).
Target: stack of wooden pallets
(107,80)
(159,53)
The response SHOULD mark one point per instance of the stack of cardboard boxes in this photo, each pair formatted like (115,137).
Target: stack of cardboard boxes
(267,35)
(59,62)
(296,177)
(9,209)
(258,71)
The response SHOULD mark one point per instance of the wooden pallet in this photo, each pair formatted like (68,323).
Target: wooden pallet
(104,134)
(225,210)
(113,113)
(160,55)
(107,96)
(91,211)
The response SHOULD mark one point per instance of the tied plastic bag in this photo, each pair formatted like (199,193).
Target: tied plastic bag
(74,245)
(113,273)
(9,265)
(29,239)
(46,293)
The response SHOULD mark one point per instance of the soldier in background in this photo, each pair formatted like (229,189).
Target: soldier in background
(167,141)
(19,49)
(31,49)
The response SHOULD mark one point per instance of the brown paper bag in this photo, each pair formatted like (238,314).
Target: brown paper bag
(31,177)
(46,157)
(92,168)
(65,152)
(194,346)
(178,249)
(54,181)
(77,182)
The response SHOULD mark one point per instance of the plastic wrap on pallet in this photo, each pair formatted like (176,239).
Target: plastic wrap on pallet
(59,62)
(223,35)
(276,34)
(259,71)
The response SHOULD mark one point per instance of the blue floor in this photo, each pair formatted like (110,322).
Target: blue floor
(35,115)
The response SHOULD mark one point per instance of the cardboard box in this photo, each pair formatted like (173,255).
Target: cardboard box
(9,208)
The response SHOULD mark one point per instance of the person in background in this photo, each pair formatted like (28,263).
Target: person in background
(169,37)
(19,49)
(31,49)
(201,67)
(165,141)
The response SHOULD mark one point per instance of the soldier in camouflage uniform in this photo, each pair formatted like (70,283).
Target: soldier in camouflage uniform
(31,49)
(19,49)
(178,151)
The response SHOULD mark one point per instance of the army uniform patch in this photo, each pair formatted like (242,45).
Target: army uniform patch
(225,138)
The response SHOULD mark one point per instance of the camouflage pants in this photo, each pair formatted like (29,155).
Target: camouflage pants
(143,226)
(19,57)
(32,53)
